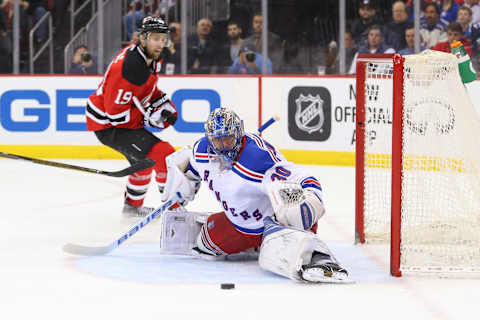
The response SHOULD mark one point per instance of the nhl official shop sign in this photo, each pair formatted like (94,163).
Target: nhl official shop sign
(309,113)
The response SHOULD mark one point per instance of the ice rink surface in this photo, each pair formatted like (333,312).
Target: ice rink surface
(42,208)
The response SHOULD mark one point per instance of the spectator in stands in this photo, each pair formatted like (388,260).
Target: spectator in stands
(367,18)
(324,29)
(410,41)
(475,7)
(135,36)
(449,10)
(249,61)
(275,47)
(432,29)
(465,19)
(333,58)
(375,44)
(172,54)
(35,9)
(230,50)
(60,17)
(83,62)
(296,54)
(5,43)
(475,43)
(454,32)
(135,9)
(395,31)
(202,49)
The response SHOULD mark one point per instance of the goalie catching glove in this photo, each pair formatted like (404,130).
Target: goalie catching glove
(160,113)
(181,180)
(293,206)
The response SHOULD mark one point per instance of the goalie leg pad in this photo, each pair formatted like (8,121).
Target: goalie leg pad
(179,231)
(289,252)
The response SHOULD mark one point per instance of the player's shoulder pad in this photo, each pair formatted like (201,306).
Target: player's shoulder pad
(200,150)
(255,159)
(134,68)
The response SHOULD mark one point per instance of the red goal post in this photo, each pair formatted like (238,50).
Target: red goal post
(417,163)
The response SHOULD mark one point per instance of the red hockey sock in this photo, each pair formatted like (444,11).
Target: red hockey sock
(158,153)
(137,187)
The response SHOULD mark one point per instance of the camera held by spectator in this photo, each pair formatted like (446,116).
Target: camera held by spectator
(83,61)
(250,56)
(86,58)
(249,62)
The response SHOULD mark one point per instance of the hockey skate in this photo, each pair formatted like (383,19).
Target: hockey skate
(323,269)
(130,211)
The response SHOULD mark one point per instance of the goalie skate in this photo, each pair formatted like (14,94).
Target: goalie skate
(325,273)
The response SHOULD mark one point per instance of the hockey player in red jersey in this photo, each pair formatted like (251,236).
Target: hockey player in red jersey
(120,124)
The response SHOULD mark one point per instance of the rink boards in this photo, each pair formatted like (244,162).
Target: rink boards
(44,116)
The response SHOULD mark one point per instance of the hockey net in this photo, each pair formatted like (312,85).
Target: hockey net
(421,193)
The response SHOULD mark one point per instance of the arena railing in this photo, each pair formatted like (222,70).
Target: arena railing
(48,43)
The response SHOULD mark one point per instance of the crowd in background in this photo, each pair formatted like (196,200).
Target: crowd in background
(234,45)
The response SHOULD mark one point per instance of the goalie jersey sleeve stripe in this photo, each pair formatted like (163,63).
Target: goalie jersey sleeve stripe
(311,182)
(255,159)
(200,151)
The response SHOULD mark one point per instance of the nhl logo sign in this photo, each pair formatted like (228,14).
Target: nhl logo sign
(309,113)
(309,116)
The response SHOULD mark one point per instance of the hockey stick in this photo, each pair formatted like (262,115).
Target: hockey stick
(95,251)
(139,105)
(268,123)
(137,166)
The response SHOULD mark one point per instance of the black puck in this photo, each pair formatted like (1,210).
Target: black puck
(227,286)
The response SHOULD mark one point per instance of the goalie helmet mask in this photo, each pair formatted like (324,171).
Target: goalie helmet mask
(224,132)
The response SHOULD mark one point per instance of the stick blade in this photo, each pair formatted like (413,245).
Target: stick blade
(137,166)
(86,251)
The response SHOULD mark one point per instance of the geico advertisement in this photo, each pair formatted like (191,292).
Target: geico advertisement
(51,110)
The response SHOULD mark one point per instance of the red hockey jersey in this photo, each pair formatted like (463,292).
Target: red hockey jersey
(127,76)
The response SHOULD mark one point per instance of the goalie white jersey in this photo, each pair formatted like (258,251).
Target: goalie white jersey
(242,191)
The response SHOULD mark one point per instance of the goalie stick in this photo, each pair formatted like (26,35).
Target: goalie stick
(137,166)
(267,124)
(95,251)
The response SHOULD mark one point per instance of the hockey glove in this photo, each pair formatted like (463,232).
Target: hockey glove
(160,113)
(293,206)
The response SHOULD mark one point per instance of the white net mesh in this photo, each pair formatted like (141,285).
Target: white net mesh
(441,157)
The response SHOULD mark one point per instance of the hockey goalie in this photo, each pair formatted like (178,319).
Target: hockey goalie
(269,204)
